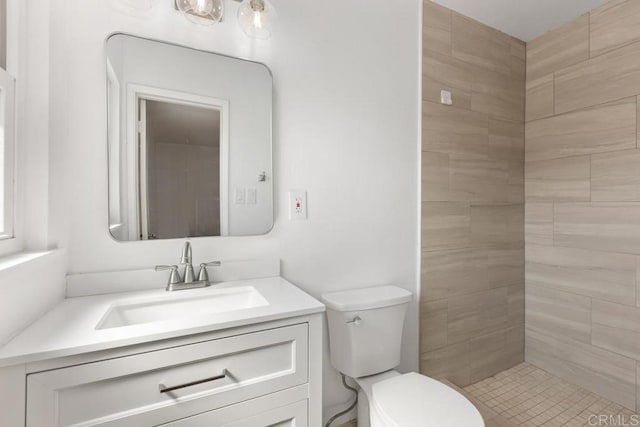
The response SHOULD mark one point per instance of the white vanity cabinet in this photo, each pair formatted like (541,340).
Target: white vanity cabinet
(258,375)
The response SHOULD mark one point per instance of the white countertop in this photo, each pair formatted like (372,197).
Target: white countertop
(70,328)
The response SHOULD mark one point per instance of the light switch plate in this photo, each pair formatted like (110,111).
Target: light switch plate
(240,197)
(297,205)
(252,196)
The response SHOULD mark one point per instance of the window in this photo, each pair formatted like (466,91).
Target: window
(7,134)
(7,156)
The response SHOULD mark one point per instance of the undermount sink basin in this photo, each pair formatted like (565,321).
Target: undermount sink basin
(175,307)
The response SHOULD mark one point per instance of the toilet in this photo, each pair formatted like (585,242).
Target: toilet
(365,340)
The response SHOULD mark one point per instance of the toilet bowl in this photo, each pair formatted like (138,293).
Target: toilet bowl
(411,400)
(365,330)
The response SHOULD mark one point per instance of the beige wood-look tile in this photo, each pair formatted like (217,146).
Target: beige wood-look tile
(450,362)
(558,313)
(452,130)
(638,122)
(433,325)
(606,373)
(435,177)
(506,141)
(563,180)
(507,105)
(538,228)
(518,60)
(616,328)
(559,48)
(599,129)
(444,72)
(449,274)
(479,44)
(613,75)
(602,275)
(497,226)
(445,225)
(488,355)
(436,28)
(474,179)
(539,98)
(515,341)
(505,266)
(615,176)
(613,227)
(516,304)
(506,144)
(515,225)
(477,314)
(638,387)
(637,282)
(613,25)
(518,49)
(497,94)
(516,182)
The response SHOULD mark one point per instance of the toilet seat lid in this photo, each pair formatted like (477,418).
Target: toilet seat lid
(412,400)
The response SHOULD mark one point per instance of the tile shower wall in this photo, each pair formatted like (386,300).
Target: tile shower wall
(583,201)
(472,303)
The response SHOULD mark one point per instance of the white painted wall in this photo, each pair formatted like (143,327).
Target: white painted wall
(346,117)
(30,284)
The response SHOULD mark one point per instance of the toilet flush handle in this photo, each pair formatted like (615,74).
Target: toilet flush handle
(356,321)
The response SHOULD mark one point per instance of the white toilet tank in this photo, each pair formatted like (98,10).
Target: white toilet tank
(365,329)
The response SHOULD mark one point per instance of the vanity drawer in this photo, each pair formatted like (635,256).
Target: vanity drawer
(263,411)
(196,378)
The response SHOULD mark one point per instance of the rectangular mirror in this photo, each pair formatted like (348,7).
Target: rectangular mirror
(189,142)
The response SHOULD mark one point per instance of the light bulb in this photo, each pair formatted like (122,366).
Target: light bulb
(205,12)
(256,18)
(203,7)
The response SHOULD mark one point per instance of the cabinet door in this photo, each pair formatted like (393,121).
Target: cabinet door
(161,386)
(250,414)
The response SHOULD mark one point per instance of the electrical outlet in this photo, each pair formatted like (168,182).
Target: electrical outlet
(252,196)
(240,199)
(297,204)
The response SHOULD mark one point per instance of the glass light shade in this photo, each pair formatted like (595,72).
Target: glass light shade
(257,18)
(204,12)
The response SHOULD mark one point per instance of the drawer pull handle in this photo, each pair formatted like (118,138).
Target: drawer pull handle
(164,389)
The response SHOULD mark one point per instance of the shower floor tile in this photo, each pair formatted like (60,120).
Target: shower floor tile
(528,396)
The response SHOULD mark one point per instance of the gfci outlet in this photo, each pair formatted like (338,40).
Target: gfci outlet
(297,204)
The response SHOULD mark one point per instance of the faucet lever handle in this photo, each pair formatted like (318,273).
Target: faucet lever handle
(203,275)
(174,277)
(211,264)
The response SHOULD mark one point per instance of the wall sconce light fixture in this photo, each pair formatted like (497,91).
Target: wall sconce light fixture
(255,17)
(204,12)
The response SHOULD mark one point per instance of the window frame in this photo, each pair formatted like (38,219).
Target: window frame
(7,156)
(12,241)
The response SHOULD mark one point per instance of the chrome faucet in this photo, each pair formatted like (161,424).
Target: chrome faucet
(185,259)
(178,283)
